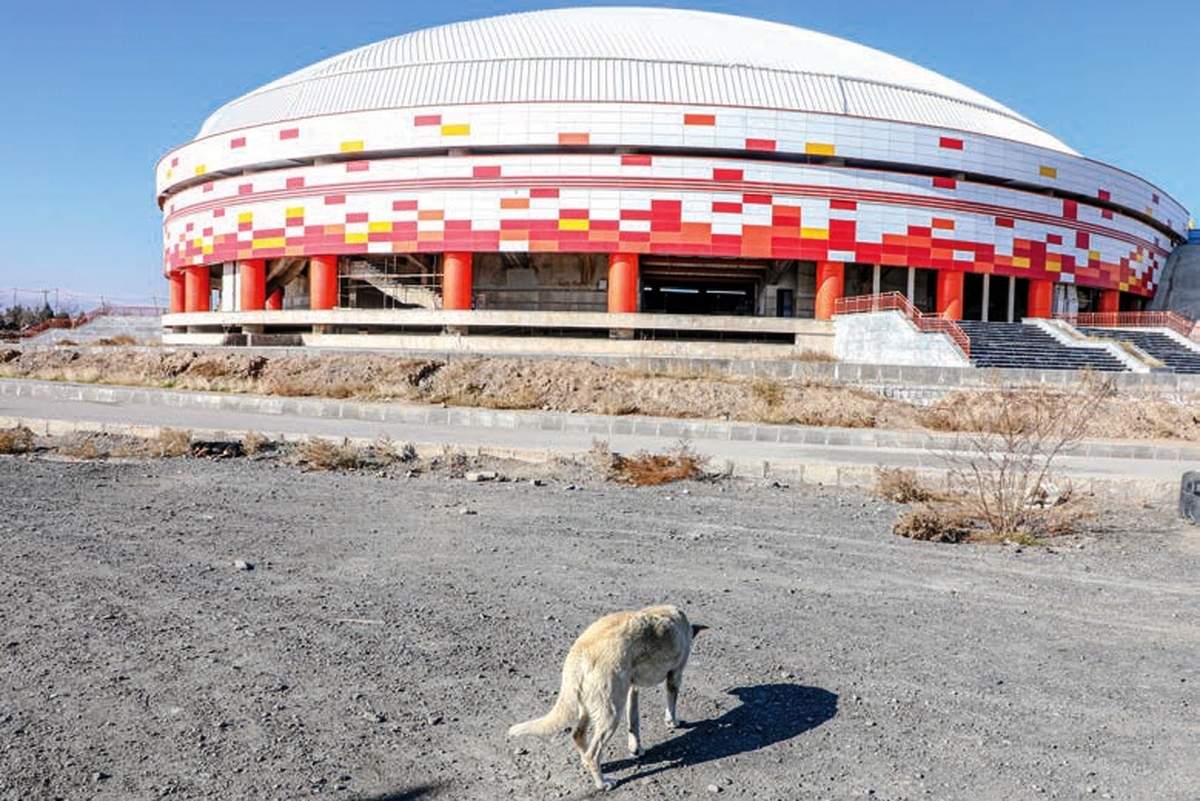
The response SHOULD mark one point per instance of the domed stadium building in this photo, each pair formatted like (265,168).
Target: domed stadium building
(638,174)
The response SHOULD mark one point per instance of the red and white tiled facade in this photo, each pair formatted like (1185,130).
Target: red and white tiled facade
(662,178)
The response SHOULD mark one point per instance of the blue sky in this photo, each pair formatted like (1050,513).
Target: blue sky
(94,93)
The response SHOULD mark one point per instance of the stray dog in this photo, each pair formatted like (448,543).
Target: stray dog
(600,679)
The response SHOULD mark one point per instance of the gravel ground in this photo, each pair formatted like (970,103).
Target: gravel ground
(391,628)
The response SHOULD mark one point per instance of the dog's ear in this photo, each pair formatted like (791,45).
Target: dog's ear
(697,628)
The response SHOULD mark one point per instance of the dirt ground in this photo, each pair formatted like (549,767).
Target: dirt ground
(239,628)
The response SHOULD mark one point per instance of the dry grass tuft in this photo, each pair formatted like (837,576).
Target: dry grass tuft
(119,340)
(898,485)
(324,454)
(650,469)
(171,443)
(255,443)
(16,440)
(87,447)
(930,524)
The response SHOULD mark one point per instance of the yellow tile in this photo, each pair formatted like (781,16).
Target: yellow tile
(1048,172)
(1093,255)
(268,242)
(1021,261)
(380,227)
(352,147)
(356,239)
(818,149)
(201,169)
(573,225)
(814,233)
(462,129)
(298,211)
(1124,286)
(246,216)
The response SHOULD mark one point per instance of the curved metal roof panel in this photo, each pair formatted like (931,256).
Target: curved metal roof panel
(627,54)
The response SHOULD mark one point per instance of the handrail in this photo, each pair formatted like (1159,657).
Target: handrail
(1130,319)
(89,316)
(897,301)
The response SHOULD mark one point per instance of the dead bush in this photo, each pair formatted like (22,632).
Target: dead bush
(16,440)
(930,525)
(1000,465)
(118,341)
(172,443)
(898,485)
(255,443)
(323,454)
(653,469)
(86,447)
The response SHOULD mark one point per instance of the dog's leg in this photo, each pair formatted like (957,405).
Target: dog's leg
(604,717)
(673,679)
(635,723)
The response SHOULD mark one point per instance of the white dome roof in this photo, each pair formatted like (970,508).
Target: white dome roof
(626,54)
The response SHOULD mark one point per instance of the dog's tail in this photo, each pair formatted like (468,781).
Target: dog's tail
(560,716)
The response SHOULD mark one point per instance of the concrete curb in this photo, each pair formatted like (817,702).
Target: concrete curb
(752,450)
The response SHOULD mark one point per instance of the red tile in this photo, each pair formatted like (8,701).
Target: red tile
(1005,222)
(422,120)
(843,205)
(1082,240)
(950,143)
(245,189)
(404,205)
(289,133)
(238,141)
(761,144)
(1070,209)
(295,183)
(756,199)
(720,207)
(490,171)
(334,200)
(720,174)
(543,192)
(945,183)
(635,160)
(357,217)
(700,119)
(358,166)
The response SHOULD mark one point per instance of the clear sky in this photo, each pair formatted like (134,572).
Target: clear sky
(92,94)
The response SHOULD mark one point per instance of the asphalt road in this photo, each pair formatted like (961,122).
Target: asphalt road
(831,456)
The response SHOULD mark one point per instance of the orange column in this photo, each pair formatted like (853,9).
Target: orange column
(1041,299)
(622,283)
(456,281)
(831,285)
(1110,301)
(177,291)
(252,279)
(196,291)
(275,300)
(950,294)
(322,282)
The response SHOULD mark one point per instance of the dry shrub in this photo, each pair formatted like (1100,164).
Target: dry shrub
(255,443)
(653,469)
(119,340)
(1008,440)
(323,454)
(171,443)
(898,485)
(930,524)
(16,440)
(85,447)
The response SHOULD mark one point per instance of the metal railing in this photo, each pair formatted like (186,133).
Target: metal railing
(89,316)
(1130,319)
(897,301)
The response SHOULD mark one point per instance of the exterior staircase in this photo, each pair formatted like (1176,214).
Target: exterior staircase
(1024,346)
(1176,356)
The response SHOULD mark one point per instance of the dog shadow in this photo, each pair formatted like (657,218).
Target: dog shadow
(768,714)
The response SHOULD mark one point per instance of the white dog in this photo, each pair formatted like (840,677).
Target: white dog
(604,669)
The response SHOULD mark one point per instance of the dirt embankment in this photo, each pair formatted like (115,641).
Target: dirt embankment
(567,385)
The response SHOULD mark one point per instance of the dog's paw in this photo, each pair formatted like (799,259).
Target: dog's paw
(635,747)
(605,784)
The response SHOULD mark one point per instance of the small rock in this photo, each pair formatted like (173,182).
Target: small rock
(481,475)
(101,776)
(465,511)
(433,720)
(714,788)
(241,564)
